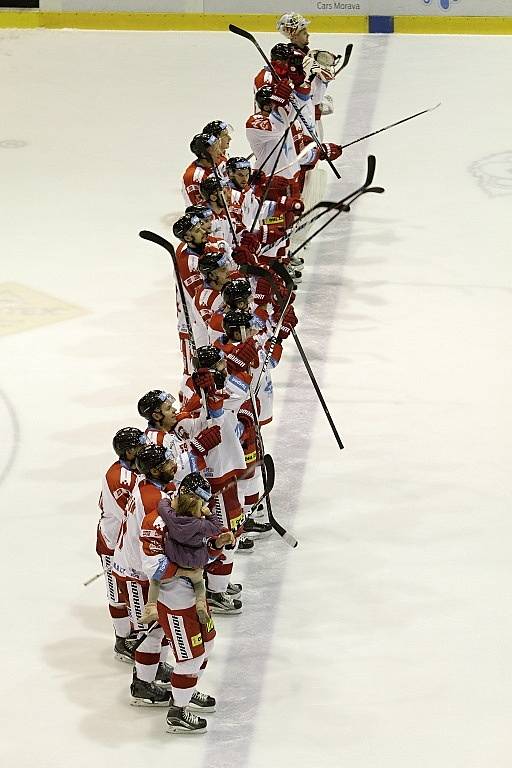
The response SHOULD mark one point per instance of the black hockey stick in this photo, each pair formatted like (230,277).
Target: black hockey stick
(346,59)
(299,224)
(392,125)
(310,129)
(153,237)
(288,538)
(140,640)
(281,271)
(343,206)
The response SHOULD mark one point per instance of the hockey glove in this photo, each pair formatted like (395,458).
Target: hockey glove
(243,356)
(243,255)
(250,240)
(203,380)
(262,292)
(149,614)
(331,151)
(281,93)
(206,440)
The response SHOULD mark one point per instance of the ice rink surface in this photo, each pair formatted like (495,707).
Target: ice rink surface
(384,639)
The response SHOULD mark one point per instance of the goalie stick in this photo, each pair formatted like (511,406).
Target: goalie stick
(271,476)
(244,33)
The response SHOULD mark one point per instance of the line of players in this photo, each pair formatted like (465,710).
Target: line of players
(196,466)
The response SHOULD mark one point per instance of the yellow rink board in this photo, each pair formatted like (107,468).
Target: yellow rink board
(23,308)
(170,21)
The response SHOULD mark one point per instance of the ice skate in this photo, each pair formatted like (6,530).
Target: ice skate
(246,546)
(123,650)
(221,602)
(255,530)
(148,694)
(181,720)
(163,675)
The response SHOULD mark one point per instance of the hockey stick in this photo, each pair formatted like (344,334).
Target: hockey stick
(299,224)
(281,271)
(346,59)
(140,640)
(288,538)
(343,206)
(392,125)
(310,129)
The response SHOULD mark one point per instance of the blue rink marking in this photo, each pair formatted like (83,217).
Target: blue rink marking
(231,731)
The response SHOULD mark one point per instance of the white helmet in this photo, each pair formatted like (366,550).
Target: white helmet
(291,23)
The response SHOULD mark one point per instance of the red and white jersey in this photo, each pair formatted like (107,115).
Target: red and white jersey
(117,487)
(127,562)
(264,77)
(187,459)
(192,178)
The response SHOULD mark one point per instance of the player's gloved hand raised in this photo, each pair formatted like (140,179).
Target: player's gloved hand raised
(207,439)
(281,93)
(203,380)
(331,151)
(243,255)
(250,240)
(262,292)
(245,355)
(245,415)
(289,318)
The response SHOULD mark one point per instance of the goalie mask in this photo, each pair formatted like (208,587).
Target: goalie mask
(291,23)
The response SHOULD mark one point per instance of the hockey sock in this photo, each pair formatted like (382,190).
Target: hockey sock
(120,620)
(183,687)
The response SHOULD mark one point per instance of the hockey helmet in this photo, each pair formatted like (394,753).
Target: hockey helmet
(198,485)
(237,164)
(212,260)
(201,144)
(184,225)
(152,456)
(203,212)
(236,290)
(263,95)
(152,401)
(215,128)
(208,356)
(127,438)
(235,319)
(210,186)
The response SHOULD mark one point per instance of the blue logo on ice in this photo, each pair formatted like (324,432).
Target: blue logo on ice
(445,4)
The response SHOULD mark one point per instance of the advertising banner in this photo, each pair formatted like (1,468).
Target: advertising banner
(313,7)
(441,7)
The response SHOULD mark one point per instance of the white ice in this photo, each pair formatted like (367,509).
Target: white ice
(384,639)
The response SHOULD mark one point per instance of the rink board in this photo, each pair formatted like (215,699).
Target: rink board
(423,25)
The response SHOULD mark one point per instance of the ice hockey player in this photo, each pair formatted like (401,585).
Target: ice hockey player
(158,467)
(207,149)
(117,487)
(192,641)
(189,526)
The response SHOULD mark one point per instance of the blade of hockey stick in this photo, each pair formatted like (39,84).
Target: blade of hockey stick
(158,239)
(392,125)
(271,476)
(346,59)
